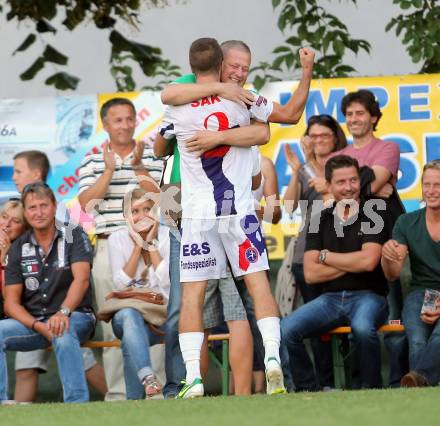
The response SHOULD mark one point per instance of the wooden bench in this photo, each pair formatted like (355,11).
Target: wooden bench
(221,362)
(342,353)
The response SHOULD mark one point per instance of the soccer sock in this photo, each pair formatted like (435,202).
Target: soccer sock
(190,346)
(270,332)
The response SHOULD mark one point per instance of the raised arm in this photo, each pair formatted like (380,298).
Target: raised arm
(292,111)
(90,197)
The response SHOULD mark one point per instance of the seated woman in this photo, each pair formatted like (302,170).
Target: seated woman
(137,260)
(12,225)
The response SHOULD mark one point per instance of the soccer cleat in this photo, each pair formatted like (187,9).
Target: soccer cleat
(153,388)
(274,377)
(192,390)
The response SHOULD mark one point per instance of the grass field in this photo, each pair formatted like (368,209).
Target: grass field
(415,407)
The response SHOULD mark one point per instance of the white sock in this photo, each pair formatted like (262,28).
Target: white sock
(190,346)
(270,332)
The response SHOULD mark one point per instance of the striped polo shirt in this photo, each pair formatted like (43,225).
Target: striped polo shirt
(108,214)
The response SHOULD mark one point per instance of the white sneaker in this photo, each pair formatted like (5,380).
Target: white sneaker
(274,378)
(8,402)
(192,390)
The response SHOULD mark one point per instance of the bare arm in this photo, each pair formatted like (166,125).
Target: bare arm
(162,146)
(272,209)
(291,196)
(79,286)
(58,323)
(292,111)
(90,197)
(205,140)
(383,176)
(181,94)
(393,258)
(256,181)
(13,306)
(364,260)
(315,272)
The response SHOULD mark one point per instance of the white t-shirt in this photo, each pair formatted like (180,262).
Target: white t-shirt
(120,247)
(218,184)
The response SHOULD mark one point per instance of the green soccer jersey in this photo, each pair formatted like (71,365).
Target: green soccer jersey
(175,171)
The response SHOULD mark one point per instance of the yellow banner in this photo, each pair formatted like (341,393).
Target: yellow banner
(410,106)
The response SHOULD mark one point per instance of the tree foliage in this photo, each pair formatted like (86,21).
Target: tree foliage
(45,15)
(312,25)
(421,31)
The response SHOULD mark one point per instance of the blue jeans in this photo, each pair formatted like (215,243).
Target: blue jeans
(174,366)
(365,311)
(136,338)
(396,343)
(322,351)
(423,339)
(14,336)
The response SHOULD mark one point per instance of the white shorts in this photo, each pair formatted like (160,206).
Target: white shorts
(207,244)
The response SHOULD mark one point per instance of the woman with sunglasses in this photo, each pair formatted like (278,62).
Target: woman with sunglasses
(323,136)
(12,225)
(138,259)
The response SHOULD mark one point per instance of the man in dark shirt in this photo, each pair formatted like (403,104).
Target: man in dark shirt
(343,250)
(47,293)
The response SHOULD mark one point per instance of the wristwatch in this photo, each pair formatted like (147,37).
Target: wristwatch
(322,255)
(65,311)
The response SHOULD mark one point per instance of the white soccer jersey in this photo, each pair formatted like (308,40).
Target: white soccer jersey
(218,184)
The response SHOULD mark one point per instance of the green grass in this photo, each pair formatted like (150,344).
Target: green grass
(400,407)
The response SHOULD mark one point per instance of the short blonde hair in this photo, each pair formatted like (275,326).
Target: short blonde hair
(132,196)
(432,165)
(17,207)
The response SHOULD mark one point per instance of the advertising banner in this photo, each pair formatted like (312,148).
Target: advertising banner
(411,118)
(69,127)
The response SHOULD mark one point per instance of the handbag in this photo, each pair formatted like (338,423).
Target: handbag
(149,303)
(286,294)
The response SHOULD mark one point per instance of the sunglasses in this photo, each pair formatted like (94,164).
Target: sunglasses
(33,186)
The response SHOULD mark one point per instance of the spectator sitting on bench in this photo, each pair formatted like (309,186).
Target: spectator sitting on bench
(343,249)
(47,293)
(29,167)
(417,234)
(138,260)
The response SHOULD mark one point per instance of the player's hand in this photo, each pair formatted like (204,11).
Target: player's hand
(386,191)
(202,141)
(319,184)
(236,93)
(292,159)
(138,152)
(307,58)
(393,251)
(58,324)
(109,158)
